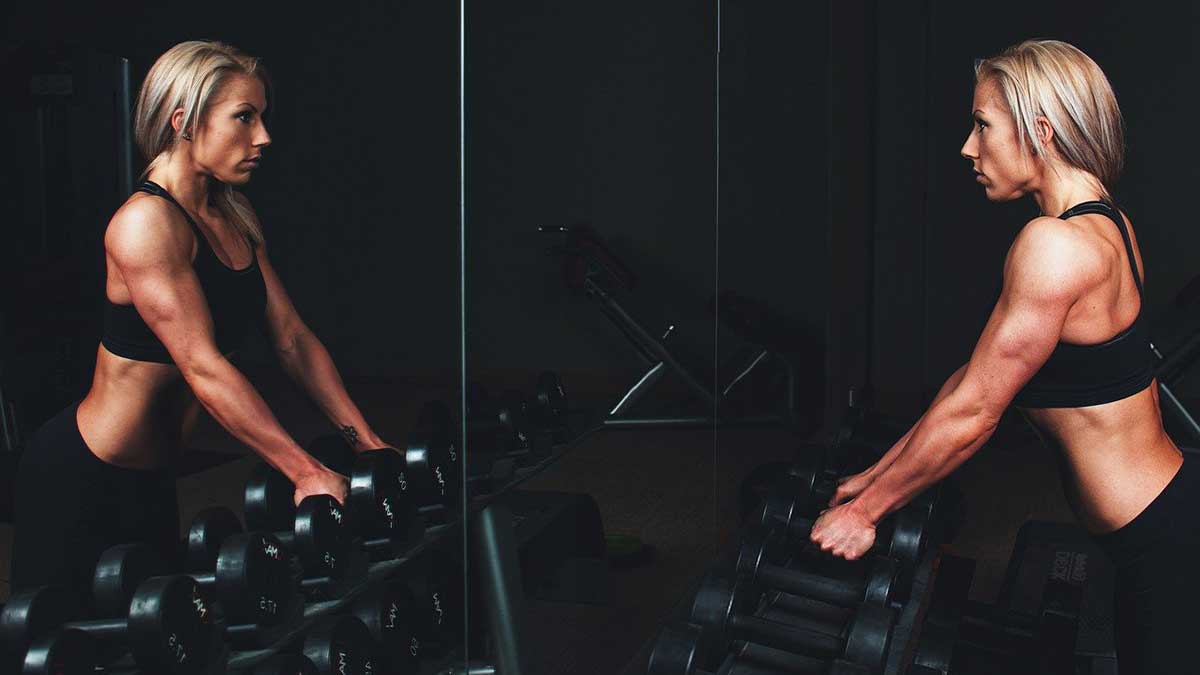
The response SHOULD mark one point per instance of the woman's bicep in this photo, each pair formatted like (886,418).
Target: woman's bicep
(154,262)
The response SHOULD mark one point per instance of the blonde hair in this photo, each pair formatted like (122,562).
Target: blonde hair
(1055,80)
(187,76)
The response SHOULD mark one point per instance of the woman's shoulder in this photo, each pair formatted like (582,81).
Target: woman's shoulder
(1056,247)
(147,225)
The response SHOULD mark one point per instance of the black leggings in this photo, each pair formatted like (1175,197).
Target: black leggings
(1157,559)
(70,507)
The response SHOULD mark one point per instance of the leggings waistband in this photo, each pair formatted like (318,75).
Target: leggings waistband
(1171,510)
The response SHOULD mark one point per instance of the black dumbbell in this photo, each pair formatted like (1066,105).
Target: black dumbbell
(548,407)
(432,463)
(677,651)
(876,580)
(283,664)
(315,532)
(341,645)
(63,652)
(251,579)
(723,606)
(167,626)
(391,615)
(900,536)
(379,504)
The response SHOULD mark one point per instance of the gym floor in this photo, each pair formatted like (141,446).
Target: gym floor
(675,489)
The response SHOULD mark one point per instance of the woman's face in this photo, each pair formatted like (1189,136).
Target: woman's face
(994,148)
(230,142)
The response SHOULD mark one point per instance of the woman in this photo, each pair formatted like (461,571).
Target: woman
(1068,345)
(187,277)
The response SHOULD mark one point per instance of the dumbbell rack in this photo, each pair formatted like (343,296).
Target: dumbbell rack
(490,528)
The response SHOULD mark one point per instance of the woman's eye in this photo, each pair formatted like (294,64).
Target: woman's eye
(980,125)
(245,116)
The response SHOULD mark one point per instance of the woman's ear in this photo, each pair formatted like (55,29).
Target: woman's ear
(1045,132)
(177,124)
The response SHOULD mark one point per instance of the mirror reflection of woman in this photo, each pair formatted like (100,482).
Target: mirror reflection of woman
(1068,344)
(188,277)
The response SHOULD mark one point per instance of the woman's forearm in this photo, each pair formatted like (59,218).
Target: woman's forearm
(234,403)
(890,456)
(948,434)
(311,367)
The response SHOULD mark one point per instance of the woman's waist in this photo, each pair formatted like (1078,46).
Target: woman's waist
(1115,483)
(140,429)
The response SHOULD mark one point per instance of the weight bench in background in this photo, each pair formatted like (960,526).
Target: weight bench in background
(775,350)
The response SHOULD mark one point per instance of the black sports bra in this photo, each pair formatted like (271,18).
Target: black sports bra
(1082,375)
(237,300)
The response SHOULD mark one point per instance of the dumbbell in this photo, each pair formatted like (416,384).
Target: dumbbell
(877,581)
(391,615)
(430,468)
(341,645)
(379,504)
(548,407)
(677,651)
(315,531)
(251,579)
(722,608)
(900,536)
(67,651)
(167,625)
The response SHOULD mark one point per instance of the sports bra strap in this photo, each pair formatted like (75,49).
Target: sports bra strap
(157,190)
(1106,209)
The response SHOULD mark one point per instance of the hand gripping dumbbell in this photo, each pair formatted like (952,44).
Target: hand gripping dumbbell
(430,471)
(677,651)
(167,625)
(723,607)
(875,580)
(900,536)
(315,531)
(379,504)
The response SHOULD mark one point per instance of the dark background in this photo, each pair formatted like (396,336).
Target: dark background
(813,166)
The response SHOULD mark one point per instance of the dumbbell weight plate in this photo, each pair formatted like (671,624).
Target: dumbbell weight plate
(431,457)
(63,652)
(32,614)
(208,530)
(551,397)
(380,501)
(170,628)
(390,616)
(253,575)
(340,644)
(675,650)
(120,570)
(269,501)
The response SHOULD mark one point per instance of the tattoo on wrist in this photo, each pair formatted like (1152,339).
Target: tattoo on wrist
(350,434)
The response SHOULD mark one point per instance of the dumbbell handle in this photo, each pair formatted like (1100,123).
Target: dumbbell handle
(105,629)
(816,586)
(804,636)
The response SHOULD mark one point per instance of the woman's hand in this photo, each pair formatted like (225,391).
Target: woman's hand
(843,532)
(850,487)
(322,482)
